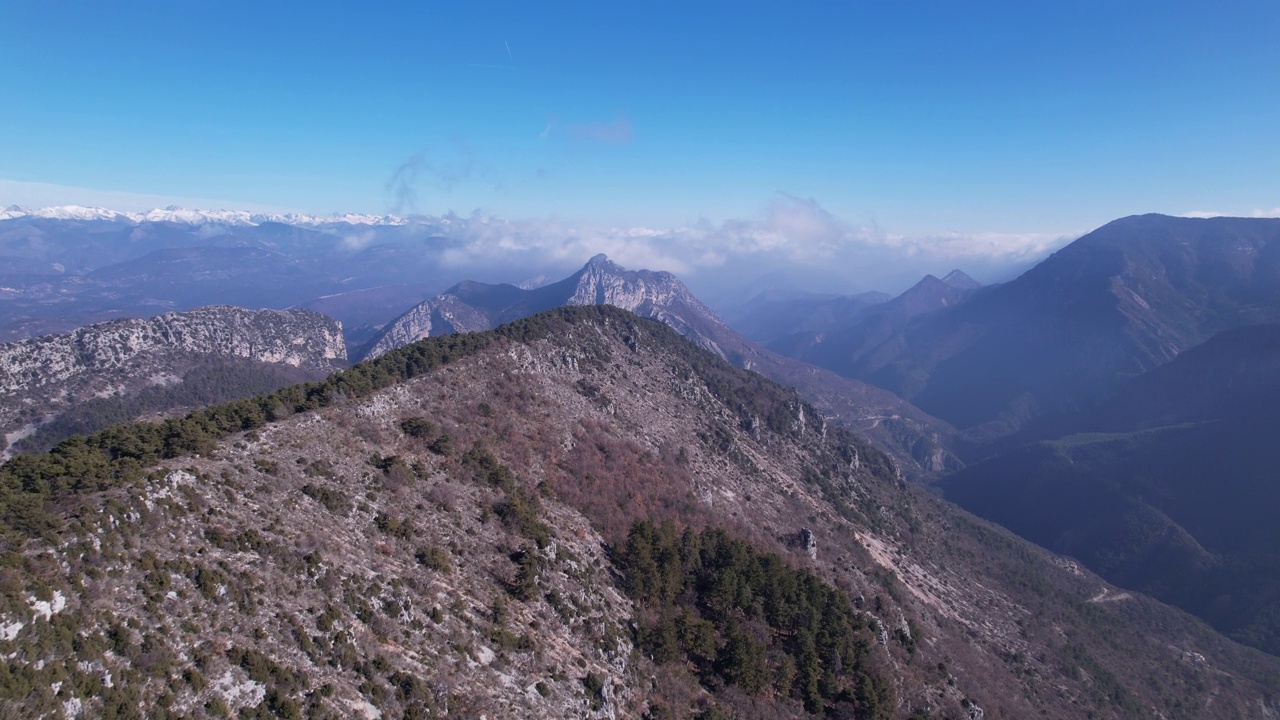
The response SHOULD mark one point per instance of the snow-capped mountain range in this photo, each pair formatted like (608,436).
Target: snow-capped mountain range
(175,214)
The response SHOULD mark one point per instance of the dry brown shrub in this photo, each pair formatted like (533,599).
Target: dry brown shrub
(443,496)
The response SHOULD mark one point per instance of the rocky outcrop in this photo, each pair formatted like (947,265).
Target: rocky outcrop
(917,440)
(441,315)
(473,307)
(298,338)
(41,377)
(809,543)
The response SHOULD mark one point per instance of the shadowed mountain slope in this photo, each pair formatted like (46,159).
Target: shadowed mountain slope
(1117,302)
(452,528)
(1168,487)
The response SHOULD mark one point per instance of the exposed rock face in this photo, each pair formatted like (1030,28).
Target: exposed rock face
(914,438)
(41,376)
(474,307)
(298,338)
(657,295)
(809,543)
(441,315)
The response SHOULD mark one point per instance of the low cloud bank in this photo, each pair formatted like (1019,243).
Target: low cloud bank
(789,232)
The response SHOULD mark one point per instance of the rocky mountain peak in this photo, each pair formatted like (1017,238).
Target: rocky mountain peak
(661,296)
(600,260)
(474,306)
(960,279)
(604,282)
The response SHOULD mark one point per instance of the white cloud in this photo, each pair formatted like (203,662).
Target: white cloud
(1255,213)
(788,231)
(359,240)
(1010,247)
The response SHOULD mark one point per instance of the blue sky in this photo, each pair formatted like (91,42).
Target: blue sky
(917,118)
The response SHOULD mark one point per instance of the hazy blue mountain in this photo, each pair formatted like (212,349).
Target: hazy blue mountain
(1168,487)
(849,342)
(772,314)
(1119,301)
(960,279)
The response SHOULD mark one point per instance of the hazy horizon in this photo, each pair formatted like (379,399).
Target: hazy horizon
(877,143)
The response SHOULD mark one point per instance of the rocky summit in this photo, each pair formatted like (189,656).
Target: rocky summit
(580,514)
(472,306)
(918,441)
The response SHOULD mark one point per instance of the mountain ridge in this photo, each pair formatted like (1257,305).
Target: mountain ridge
(1116,302)
(42,378)
(460,574)
(599,281)
(919,441)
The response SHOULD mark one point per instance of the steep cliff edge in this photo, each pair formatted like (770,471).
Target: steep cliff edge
(41,378)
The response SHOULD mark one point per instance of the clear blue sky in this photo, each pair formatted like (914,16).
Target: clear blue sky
(921,117)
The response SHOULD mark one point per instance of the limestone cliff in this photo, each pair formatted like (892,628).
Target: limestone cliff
(41,377)
(473,307)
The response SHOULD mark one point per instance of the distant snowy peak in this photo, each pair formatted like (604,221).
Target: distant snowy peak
(175,214)
(64,212)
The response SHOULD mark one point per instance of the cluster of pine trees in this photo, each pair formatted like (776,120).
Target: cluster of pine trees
(743,617)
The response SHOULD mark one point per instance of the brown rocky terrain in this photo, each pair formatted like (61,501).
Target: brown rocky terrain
(450,545)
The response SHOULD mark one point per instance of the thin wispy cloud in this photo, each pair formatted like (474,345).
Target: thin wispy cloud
(618,131)
(402,186)
(425,171)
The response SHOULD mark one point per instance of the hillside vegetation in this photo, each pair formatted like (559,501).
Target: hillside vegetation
(577,515)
